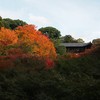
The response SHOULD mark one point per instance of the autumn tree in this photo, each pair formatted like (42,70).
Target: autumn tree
(53,34)
(7,39)
(33,41)
(26,39)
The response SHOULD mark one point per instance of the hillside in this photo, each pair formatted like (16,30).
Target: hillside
(73,79)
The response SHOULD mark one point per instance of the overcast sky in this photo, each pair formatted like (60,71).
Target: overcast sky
(79,18)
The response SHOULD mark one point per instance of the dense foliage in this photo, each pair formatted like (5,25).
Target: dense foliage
(28,40)
(10,23)
(70,39)
(7,37)
(51,32)
(33,40)
(74,79)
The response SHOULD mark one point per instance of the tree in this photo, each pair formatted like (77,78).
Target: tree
(68,39)
(1,24)
(0,18)
(7,37)
(12,24)
(51,32)
(61,50)
(34,42)
(80,40)
(96,41)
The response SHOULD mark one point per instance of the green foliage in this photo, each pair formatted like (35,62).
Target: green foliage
(61,50)
(51,32)
(10,23)
(1,24)
(56,42)
(0,18)
(70,39)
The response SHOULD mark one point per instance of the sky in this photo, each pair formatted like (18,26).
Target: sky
(78,18)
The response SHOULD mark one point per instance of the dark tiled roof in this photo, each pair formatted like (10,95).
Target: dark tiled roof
(74,44)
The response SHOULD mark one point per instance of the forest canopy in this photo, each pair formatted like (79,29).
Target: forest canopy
(10,23)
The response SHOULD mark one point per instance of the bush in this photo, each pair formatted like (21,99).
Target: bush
(61,50)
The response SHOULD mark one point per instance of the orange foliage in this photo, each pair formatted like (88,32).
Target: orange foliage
(39,43)
(29,43)
(7,37)
(27,40)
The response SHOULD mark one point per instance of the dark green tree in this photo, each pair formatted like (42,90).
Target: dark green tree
(8,23)
(1,24)
(19,23)
(0,18)
(51,32)
(68,39)
(12,24)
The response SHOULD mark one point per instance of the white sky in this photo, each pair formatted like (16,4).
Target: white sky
(79,18)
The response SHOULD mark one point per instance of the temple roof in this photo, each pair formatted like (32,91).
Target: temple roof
(75,44)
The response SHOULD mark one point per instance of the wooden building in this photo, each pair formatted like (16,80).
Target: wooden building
(76,47)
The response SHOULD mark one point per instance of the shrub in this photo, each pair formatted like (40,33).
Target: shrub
(61,50)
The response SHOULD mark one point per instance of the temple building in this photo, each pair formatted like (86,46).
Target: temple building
(76,47)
